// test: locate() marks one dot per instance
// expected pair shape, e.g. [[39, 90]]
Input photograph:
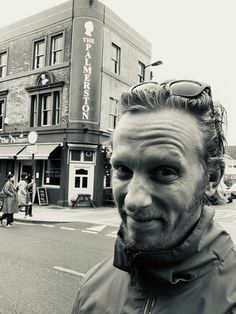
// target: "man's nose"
[[138, 194]]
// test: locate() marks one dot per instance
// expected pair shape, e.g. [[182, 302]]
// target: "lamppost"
[[32, 148], [154, 64]]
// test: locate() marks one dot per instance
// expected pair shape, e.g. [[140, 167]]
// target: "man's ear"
[[214, 180]]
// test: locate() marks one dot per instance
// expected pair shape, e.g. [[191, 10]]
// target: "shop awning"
[[10, 151], [42, 151]]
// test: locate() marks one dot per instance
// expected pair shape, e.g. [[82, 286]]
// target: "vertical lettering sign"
[[85, 88]]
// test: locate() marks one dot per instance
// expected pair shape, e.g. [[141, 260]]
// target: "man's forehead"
[[154, 128]]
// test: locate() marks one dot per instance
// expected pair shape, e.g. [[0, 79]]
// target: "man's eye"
[[122, 172], [165, 174]]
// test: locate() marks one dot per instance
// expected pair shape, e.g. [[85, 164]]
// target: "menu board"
[[42, 196]]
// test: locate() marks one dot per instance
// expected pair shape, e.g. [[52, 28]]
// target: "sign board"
[[32, 149], [86, 72], [42, 196]]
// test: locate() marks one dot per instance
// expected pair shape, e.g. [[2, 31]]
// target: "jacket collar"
[[205, 247]]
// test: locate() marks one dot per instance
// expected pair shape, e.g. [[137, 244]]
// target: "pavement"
[[57, 214], [100, 215]]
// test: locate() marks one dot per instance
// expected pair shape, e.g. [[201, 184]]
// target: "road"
[[42, 265], [37, 264]]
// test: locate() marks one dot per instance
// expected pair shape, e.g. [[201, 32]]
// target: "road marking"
[[96, 228], [69, 271], [88, 231], [66, 228], [49, 226], [113, 234]]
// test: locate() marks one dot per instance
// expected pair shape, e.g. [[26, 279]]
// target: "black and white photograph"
[[117, 157]]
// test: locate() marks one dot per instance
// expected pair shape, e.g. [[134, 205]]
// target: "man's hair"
[[9, 176], [211, 117], [23, 175]]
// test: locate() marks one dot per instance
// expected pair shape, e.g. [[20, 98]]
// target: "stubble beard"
[[168, 238]]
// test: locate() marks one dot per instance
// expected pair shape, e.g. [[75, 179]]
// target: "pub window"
[[116, 52], [52, 168], [3, 64], [81, 178], [113, 115], [56, 50], [45, 109], [141, 72], [82, 155], [52, 172], [76, 155], [39, 53], [2, 110]]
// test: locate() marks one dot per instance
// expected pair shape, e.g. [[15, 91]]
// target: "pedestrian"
[[23, 193], [170, 255], [10, 205]]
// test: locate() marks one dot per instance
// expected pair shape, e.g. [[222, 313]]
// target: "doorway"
[[81, 180]]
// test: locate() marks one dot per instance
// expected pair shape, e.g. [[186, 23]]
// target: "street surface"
[[43, 264]]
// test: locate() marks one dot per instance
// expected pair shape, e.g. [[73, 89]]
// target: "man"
[[170, 256]]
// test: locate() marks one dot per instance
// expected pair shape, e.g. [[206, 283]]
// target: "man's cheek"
[[118, 188]]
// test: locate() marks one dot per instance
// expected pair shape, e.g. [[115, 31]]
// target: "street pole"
[[33, 170], [154, 64]]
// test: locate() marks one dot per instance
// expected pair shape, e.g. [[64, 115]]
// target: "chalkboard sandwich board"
[[42, 196]]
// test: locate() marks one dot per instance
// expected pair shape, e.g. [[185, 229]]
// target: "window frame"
[[2, 116], [141, 72], [3, 66], [50, 53], [113, 113], [44, 177], [116, 62], [37, 116], [35, 42], [82, 155]]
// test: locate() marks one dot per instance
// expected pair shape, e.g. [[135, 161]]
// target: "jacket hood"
[[205, 247]]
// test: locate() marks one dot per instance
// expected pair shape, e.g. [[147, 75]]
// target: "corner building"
[[61, 74]]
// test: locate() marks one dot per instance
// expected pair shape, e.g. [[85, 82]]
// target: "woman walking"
[[23, 193], [10, 205]]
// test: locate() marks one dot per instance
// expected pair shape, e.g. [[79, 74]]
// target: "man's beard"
[[167, 238]]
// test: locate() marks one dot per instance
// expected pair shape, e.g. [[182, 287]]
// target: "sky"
[[195, 39]]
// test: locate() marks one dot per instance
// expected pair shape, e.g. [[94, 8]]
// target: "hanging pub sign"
[[86, 71]]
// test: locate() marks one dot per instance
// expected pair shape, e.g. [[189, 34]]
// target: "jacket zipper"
[[149, 305]]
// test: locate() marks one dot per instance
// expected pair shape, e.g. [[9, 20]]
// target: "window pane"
[[4, 58], [85, 182], [75, 155], [77, 182], [52, 172], [39, 54], [81, 171]]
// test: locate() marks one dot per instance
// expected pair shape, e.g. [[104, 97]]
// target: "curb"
[[41, 221]]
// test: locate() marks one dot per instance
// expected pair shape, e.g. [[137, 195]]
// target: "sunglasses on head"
[[183, 88]]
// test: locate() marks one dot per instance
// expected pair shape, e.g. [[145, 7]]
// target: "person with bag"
[[23, 193], [10, 204]]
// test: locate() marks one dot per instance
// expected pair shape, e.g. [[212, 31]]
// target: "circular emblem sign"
[[32, 137]]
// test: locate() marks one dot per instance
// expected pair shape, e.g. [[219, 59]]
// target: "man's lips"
[[142, 219]]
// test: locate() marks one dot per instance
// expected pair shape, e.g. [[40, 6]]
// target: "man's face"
[[158, 181]]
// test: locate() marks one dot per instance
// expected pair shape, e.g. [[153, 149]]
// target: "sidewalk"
[[57, 214]]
